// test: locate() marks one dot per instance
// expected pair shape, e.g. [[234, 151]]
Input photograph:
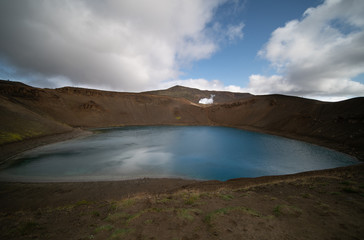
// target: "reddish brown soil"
[[325, 204], [29, 112], [194, 95], [316, 205]]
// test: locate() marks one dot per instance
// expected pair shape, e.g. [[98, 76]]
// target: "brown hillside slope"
[[19, 121], [92, 108], [194, 95], [337, 125], [57, 110], [24, 108]]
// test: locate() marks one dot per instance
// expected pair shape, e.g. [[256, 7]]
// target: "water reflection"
[[191, 152]]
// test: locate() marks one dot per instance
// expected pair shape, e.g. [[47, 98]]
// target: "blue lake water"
[[188, 152]]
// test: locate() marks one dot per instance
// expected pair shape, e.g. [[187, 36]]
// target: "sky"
[[306, 48]]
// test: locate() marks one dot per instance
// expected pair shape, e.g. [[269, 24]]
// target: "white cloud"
[[122, 45], [202, 84], [259, 84], [199, 83], [318, 55], [329, 98], [235, 31]]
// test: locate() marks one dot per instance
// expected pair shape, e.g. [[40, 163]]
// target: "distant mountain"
[[194, 95], [27, 112]]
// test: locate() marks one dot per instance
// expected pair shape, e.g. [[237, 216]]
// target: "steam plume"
[[207, 100]]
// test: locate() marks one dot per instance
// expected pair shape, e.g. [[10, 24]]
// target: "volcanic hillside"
[[28, 112], [194, 95]]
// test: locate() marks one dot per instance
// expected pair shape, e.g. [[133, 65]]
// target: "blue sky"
[[309, 48], [235, 62]]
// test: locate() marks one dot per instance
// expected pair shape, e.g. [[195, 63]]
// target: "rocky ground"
[[324, 204]]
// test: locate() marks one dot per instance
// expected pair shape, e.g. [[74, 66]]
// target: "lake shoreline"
[[339, 147], [33, 195], [282, 206], [282, 156], [9, 151]]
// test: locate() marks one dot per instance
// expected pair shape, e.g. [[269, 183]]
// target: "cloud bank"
[[202, 84], [142, 45], [123, 45], [317, 55]]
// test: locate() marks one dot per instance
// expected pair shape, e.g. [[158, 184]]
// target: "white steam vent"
[[207, 100]]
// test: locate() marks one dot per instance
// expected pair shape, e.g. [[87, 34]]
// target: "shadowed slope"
[[57, 110], [20, 120], [338, 125], [30, 112]]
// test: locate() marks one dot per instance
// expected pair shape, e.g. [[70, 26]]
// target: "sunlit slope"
[[194, 95], [79, 107], [27, 112], [93, 108]]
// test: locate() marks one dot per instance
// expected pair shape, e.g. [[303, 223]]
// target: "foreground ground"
[[325, 204]]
